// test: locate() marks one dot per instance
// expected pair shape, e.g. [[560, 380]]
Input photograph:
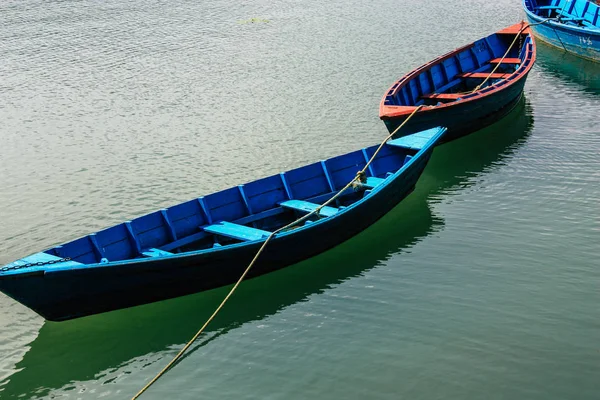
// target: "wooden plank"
[[305, 206], [167, 221], [444, 96], [506, 61], [184, 241], [97, 249], [489, 46], [416, 141], [430, 75], [366, 157], [133, 237], [258, 216], [201, 235], [286, 186], [372, 182], [246, 202], [43, 258], [483, 75], [449, 85], [156, 253], [474, 56], [326, 172], [235, 231], [204, 209], [326, 196]]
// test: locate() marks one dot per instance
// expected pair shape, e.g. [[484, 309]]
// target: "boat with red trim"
[[466, 89]]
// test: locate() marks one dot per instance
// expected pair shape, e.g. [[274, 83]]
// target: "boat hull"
[[64, 294], [466, 89], [583, 43], [462, 119]]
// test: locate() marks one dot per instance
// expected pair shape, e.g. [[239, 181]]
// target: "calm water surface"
[[484, 283]]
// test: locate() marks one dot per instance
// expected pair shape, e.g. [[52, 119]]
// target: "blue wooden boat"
[[575, 25], [458, 90], [207, 242]]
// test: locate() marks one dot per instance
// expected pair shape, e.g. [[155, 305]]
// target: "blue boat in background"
[[575, 25], [466, 89], [207, 242]]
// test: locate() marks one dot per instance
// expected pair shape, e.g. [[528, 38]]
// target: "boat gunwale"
[[521, 72], [429, 145]]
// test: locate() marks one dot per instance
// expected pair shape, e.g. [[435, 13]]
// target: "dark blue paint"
[[181, 250]]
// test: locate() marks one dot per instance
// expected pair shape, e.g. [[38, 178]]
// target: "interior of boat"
[[454, 76], [246, 212], [580, 13]]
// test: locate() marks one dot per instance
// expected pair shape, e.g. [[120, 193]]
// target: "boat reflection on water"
[[570, 68], [90, 348]]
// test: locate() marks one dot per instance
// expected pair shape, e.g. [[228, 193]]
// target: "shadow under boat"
[[569, 68], [80, 349]]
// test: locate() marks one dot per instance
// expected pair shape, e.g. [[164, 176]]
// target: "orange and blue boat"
[[465, 89]]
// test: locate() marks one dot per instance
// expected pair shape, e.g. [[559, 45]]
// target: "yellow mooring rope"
[[360, 177], [502, 59]]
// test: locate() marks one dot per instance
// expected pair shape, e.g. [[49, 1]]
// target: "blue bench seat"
[[155, 253], [372, 182], [236, 231], [306, 207], [416, 141], [43, 258]]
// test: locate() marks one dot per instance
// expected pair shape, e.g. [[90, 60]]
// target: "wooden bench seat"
[[483, 75], [416, 141], [235, 231], [372, 182], [506, 61], [443, 96], [307, 207], [155, 253]]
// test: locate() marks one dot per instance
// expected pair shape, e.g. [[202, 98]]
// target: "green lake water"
[[483, 283]]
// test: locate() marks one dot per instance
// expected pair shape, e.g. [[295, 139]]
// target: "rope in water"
[[360, 177]]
